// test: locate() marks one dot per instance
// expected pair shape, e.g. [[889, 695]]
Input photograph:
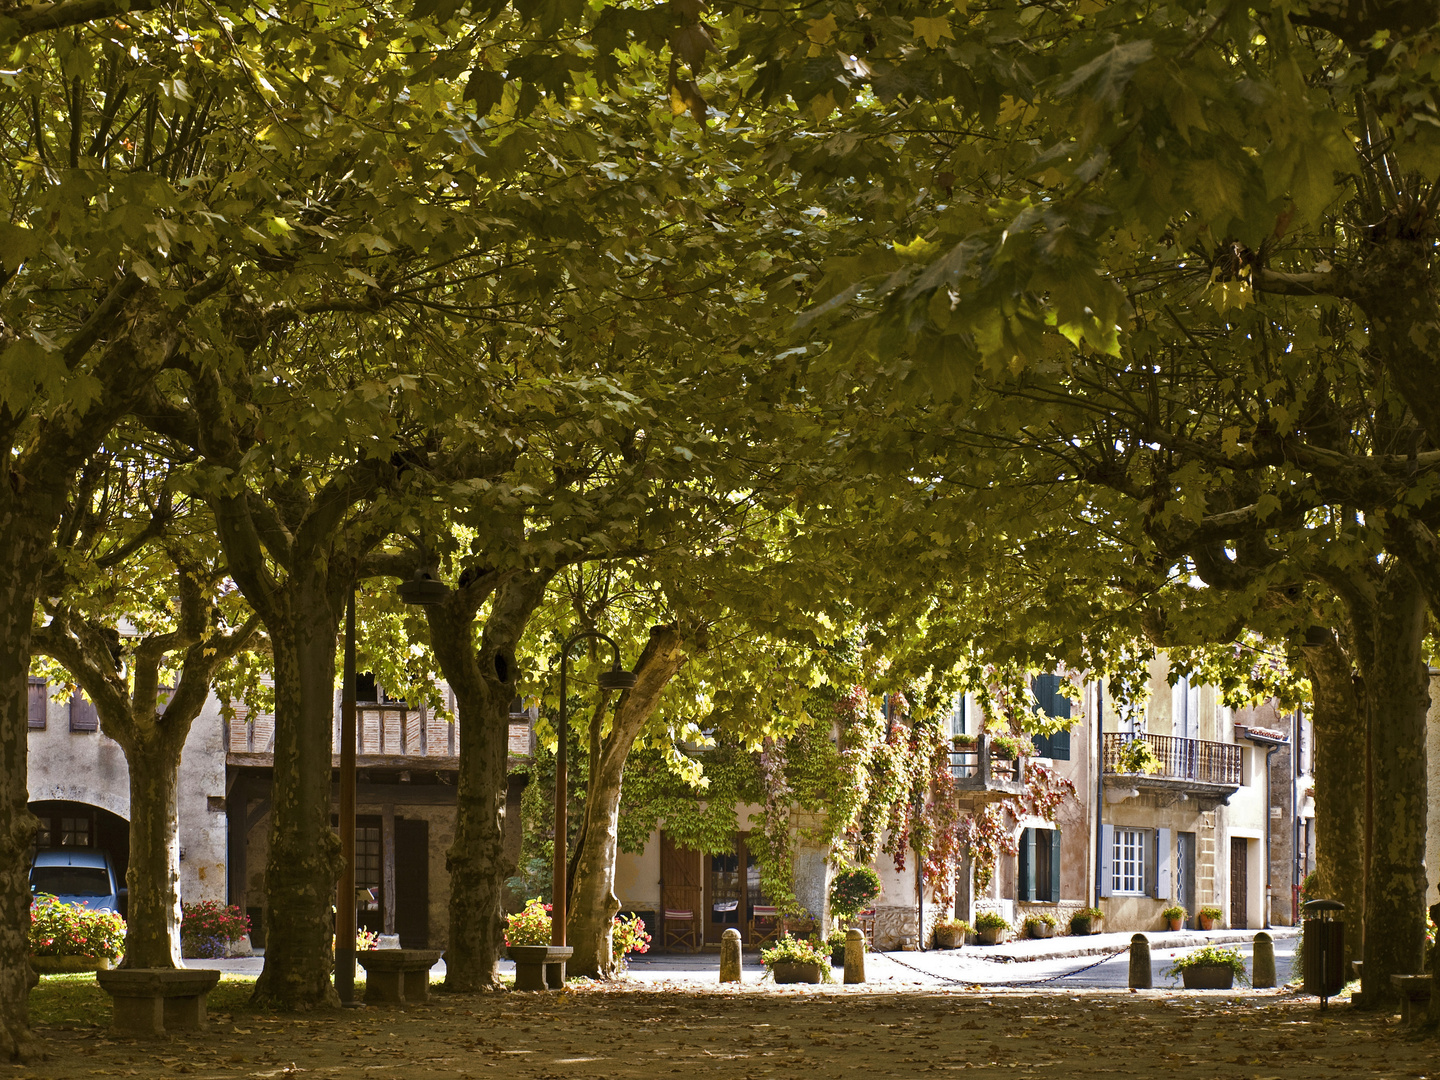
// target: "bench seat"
[[157, 1001]]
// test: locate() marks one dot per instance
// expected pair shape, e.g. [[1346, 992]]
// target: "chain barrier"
[[1005, 985]]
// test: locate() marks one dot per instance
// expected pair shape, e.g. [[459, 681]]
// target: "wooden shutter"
[[680, 881], [1060, 745], [39, 703], [1054, 866], [1107, 859], [1163, 887], [1025, 879], [82, 714]]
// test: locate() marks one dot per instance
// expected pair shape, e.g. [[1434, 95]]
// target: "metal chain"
[[1027, 982]]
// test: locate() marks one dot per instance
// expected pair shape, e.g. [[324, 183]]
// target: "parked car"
[[78, 876]]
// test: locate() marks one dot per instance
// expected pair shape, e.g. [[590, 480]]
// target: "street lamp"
[[614, 679]]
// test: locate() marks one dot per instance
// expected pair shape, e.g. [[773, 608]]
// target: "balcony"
[[979, 771], [1209, 772], [387, 734]]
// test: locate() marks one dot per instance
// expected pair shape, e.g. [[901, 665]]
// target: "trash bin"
[[1324, 948]]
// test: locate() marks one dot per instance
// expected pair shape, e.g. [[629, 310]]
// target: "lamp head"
[[615, 679], [423, 589]]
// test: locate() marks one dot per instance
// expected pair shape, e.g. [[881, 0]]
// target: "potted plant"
[[991, 928], [951, 933], [68, 937], [852, 890], [1174, 916], [796, 960], [1010, 747], [1086, 921], [1210, 968], [211, 930], [1042, 925], [835, 942], [1210, 917], [527, 932]]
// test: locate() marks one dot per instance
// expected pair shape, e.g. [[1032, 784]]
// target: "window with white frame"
[[1128, 866]]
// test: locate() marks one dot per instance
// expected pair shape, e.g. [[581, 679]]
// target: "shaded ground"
[[753, 1031]]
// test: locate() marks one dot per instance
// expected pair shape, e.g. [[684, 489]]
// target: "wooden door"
[[412, 882], [680, 884], [1239, 883]]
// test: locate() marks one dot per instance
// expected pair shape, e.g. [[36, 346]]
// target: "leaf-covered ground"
[[624, 1031]]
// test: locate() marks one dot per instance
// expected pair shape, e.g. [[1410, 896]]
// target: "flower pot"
[[948, 937], [1082, 927], [792, 972], [60, 965], [1208, 977], [1040, 930], [991, 935], [1173, 924], [1206, 923]]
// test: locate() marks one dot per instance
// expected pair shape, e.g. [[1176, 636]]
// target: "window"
[[1051, 702], [1185, 709], [1039, 867], [958, 716], [1128, 862], [74, 832]]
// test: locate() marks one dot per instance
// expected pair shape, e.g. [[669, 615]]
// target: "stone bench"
[[1414, 993], [156, 1001], [397, 976]]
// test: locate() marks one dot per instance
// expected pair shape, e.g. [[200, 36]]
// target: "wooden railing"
[[1181, 759], [382, 729]]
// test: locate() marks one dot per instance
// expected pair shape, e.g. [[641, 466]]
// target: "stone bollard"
[[1262, 974], [854, 956], [730, 956], [1140, 963]]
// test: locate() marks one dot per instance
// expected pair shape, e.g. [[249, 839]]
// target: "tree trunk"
[[17, 824], [483, 682], [152, 921], [593, 905], [305, 859], [1340, 739], [1398, 695]]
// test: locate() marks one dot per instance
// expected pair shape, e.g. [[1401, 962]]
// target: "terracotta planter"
[[1174, 924], [1209, 977], [1206, 923], [787, 972], [991, 936], [61, 965]]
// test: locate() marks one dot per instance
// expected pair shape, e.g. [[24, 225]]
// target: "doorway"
[[1185, 875], [1239, 883], [732, 890]]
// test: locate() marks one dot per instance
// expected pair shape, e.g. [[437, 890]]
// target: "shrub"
[[58, 929], [852, 890], [1174, 911], [1211, 956], [530, 926], [629, 936], [1042, 919], [209, 927], [958, 925], [1086, 915], [991, 920], [1010, 747]]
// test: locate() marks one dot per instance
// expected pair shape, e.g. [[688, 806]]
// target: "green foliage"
[[1174, 911], [1211, 956], [58, 929], [1138, 756], [992, 920], [852, 890], [530, 926]]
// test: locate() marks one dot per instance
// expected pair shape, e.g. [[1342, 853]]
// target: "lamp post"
[[614, 679]]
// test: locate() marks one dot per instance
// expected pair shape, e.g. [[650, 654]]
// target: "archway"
[[66, 824]]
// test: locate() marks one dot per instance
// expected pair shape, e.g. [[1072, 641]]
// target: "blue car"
[[77, 876]]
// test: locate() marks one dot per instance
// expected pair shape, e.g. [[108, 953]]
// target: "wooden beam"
[[387, 857]]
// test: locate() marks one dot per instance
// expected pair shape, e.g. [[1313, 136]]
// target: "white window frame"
[[1129, 862]]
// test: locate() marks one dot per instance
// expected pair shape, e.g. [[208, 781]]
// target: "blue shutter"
[[1060, 745], [1054, 866], [1162, 864], [1025, 879]]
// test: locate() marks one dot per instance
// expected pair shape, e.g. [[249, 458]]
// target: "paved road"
[[1019, 964]]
